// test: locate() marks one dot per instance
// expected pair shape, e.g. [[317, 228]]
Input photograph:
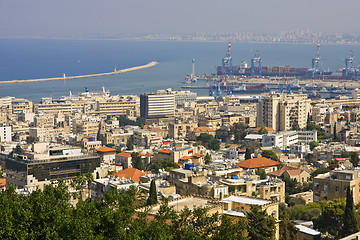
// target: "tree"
[[270, 154], [152, 199], [129, 146], [136, 161], [18, 149], [208, 141], [260, 225], [207, 158], [158, 164], [30, 139], [287, 229], [262, 130], [238, 130], [248, 152], [350, 223], [331, 218], [313, 145]]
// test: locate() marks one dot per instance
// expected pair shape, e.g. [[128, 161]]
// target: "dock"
[[150, 64]]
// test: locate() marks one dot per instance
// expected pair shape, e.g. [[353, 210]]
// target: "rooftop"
[[246, 200], [258, 163]]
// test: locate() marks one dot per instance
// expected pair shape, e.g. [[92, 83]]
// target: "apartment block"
[[283, 111]]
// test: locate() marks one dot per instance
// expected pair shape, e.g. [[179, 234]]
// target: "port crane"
[[314, 70], [256, 59], [350, 70], [227, 62]]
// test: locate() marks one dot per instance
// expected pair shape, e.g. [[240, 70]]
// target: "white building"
[[281, 140], [5, 134], [157, 105]]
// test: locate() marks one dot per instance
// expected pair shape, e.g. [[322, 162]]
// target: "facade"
[[333, 185], [5, 134], [157, 105], [283, 111], [34, 170], [237, 206]]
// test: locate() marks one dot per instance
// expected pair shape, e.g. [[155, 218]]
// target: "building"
[[283, 111], [257, 164], [238, 206], [5, 134], [106, 154], [301, 176], [45, 165], [157, 105], [333, 185]]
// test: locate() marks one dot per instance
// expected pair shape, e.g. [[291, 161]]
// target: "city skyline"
[[108, 18]]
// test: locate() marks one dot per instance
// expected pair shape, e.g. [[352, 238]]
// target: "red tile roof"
[[105, 149], [241, 151], [164, 151], [131, 173], [267, 129], [2, 182], [258, 163], [124, 154], [197, 155], [186, 157], [202, 129]]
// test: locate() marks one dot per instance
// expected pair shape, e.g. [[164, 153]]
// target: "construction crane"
[[227, 62], [256, 59]]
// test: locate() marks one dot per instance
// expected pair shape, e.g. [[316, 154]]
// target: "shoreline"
[[150, 64]]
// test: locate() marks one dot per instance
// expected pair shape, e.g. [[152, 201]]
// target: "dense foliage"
[[165, 164], [48, 215], [208, 141], [124, 120], [238, 131], [137, 161], [270, 154]]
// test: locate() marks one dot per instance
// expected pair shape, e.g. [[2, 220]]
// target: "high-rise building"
[[157, 105], [283, 111]]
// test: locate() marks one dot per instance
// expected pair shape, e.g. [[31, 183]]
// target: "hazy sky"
[[176, 16]]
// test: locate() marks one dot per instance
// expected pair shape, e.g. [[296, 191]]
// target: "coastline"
[[150, 64]]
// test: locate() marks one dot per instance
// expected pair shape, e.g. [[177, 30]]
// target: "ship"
[[260, 88]]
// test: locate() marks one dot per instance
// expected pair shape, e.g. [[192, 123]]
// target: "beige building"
[[118, 105], [333, 185], [238, 206], [283, 111]]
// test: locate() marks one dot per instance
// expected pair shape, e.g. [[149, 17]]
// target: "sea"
[[46, 58]]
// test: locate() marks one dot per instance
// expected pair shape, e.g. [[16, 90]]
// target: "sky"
[[48, 17]]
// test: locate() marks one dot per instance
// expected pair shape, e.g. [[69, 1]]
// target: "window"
[[336, 188]]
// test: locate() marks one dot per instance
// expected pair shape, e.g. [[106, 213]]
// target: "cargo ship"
[[260, 88]]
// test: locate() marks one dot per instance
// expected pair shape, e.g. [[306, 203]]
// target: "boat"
[[260, 88]]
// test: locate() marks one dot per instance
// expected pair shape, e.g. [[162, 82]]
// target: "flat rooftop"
[[246, 200], [190, 202]]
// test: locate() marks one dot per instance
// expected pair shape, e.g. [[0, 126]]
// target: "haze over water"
[[28, 59]]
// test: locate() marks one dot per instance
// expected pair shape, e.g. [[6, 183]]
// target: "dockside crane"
[[256, 59], [350, 70], [314, 70], [227, 62]]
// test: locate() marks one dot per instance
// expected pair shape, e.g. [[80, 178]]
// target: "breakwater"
[[150, 64]]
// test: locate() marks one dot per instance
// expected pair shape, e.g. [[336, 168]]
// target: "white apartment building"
[[5, 134]]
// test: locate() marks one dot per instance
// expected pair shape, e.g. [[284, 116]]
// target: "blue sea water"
[[28, 59]]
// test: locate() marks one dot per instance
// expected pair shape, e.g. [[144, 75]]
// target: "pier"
[[150, 64]]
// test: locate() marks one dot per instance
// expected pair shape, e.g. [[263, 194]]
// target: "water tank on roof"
[[189, 166]]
